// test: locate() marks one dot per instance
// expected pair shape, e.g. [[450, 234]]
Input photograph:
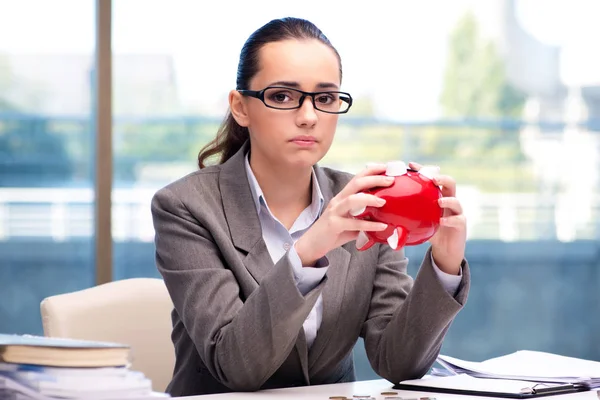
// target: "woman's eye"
[[280, 97], [326, 99]]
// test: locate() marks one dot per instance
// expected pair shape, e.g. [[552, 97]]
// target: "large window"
[[46, 155], [503, 97]]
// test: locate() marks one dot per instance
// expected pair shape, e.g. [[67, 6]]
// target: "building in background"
[[560, 73]]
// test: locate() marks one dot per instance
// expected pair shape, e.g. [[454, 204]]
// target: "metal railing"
[[63, 214], [33, 205]]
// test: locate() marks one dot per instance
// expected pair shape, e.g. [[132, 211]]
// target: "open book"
[[38, 350], [533, 366]]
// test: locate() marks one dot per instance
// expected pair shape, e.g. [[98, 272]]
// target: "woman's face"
[[298, 137]]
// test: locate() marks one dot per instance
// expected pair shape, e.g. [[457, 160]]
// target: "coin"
[[389, 393]]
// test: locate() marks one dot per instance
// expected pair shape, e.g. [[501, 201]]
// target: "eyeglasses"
[[284, 98]]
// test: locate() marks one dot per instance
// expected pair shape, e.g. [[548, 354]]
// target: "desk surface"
[[363, 388]]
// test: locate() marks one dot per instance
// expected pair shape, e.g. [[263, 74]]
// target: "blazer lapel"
[[241, 215], [334, 290], [246, 234]]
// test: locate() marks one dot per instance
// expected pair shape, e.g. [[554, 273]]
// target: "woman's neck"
[[287, 191]]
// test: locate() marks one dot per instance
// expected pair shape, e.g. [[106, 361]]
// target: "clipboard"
[[488, 387]]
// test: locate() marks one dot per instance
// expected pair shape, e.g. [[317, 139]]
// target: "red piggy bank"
[[411, 210]]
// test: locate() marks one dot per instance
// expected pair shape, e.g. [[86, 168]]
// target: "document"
[[468, 385], [534, 366]]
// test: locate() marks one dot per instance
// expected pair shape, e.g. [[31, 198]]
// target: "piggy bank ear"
[[398, 238], [363, 242], [430, 171], [396, 168]]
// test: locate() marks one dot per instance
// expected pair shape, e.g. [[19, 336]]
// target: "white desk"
[[372, 388]]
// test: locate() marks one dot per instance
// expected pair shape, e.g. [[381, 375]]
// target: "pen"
[[567, 388]]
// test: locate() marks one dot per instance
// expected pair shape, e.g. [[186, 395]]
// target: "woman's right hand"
[[336, 226]]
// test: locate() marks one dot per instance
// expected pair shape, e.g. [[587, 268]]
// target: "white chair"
[[131, 311]]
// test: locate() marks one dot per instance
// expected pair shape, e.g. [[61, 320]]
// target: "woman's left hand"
[[448, 243]]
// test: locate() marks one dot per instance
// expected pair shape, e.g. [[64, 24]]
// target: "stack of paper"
[[531, 366], [76, 383], [14, 390]]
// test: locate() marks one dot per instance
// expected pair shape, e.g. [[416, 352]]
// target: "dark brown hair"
[[231, 136]]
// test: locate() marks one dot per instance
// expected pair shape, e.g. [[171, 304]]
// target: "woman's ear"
[[238, 108]]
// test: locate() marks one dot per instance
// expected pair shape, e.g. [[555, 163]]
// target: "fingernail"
[[380, 201], [389, 179], [374, 165], [441, 201]]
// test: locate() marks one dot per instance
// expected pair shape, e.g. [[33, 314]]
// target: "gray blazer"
[[237, 318]]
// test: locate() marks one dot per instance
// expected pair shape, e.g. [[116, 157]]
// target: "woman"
[[258, 251]]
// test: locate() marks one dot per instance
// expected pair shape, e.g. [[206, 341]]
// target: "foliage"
[[31, 154], [475, 81]]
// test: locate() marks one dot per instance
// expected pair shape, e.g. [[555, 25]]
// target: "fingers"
[[364, 182], [344, 223], [447, 183], [454, 221], [357, 203], [372, 169], [418, 167], [377, 165], [415, 166], [350, 224], [453, 213], [451, 204]]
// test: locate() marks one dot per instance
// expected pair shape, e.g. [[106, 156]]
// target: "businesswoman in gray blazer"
[[258, 249]]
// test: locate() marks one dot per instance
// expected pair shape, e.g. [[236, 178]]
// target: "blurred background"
[[502, 94]]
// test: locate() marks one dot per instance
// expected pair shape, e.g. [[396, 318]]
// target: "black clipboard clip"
[[545, 389]]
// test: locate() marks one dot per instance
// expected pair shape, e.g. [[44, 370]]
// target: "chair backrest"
[[130, 311]]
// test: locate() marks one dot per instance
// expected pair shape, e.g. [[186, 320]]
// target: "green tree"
[[476, 86], [475, 81], [169, 142], [5, 79], [362, 106], [31, 154]]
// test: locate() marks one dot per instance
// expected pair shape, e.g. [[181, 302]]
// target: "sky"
[[392, 50]]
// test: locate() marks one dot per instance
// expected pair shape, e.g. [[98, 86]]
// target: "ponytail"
[[230, 138]]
